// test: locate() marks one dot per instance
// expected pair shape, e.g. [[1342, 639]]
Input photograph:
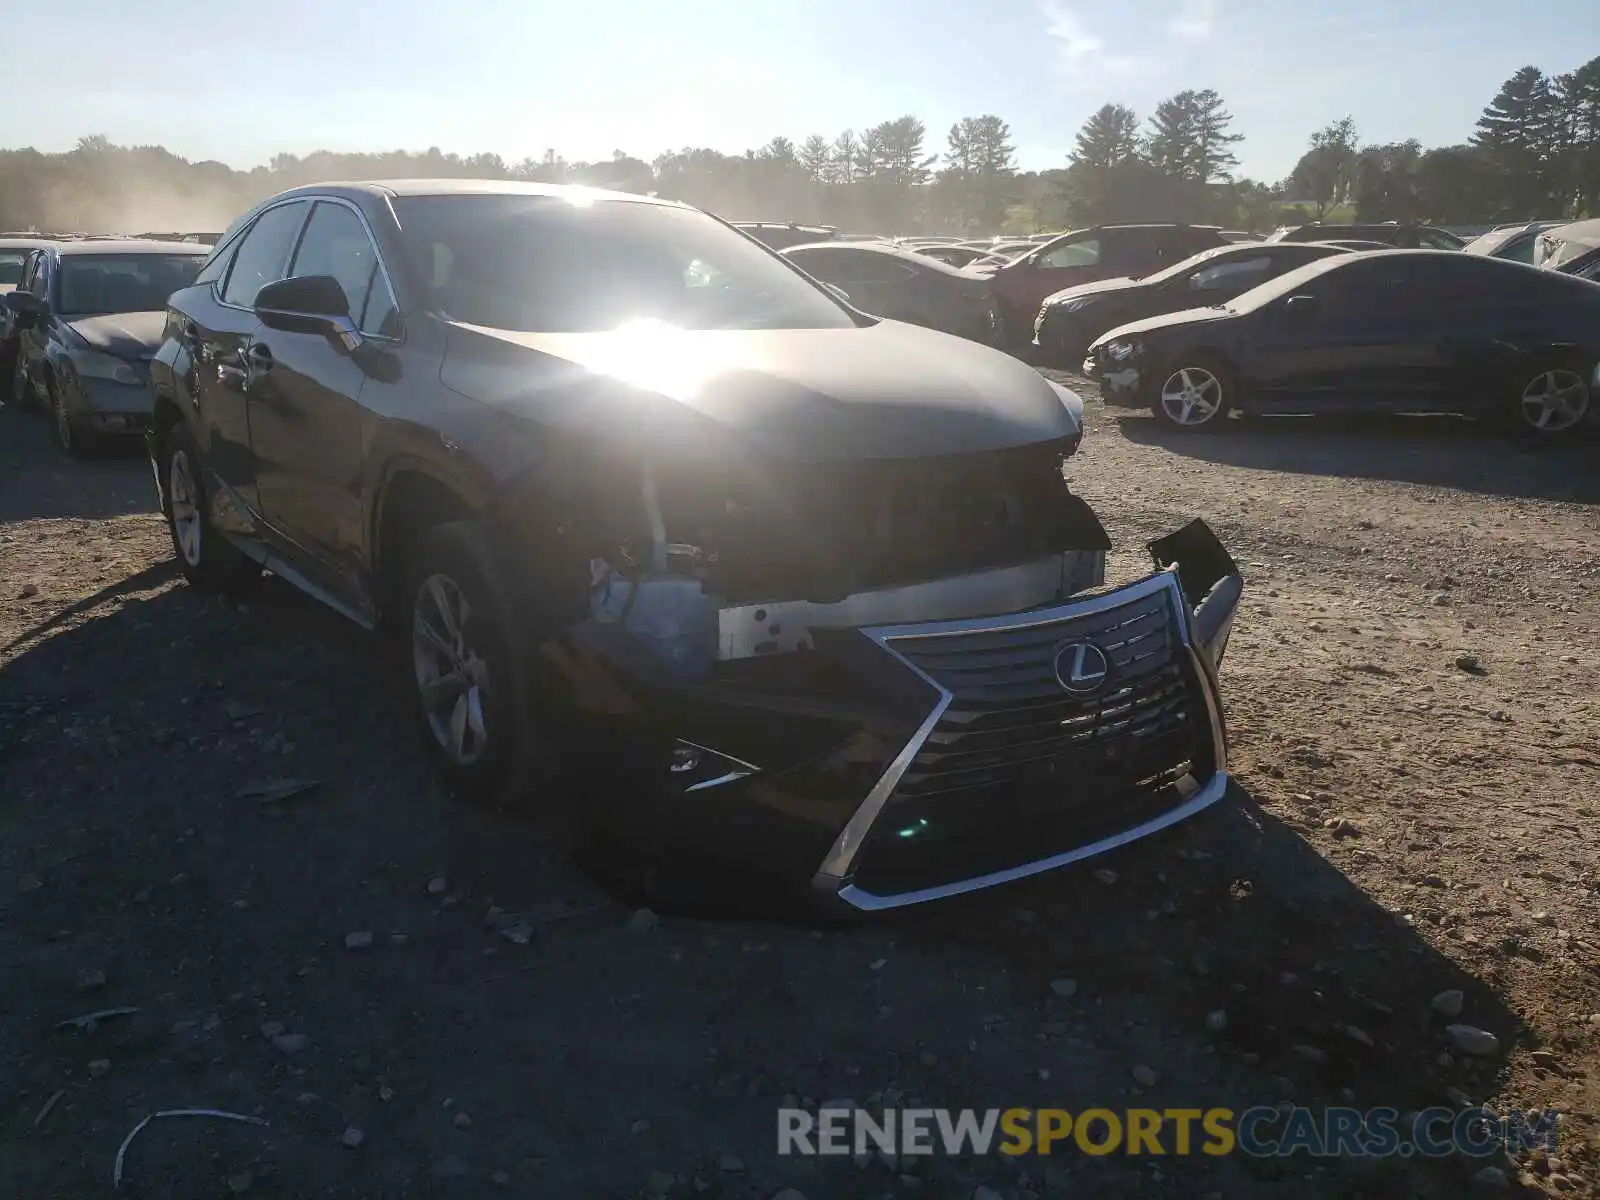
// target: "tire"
[[1552, 402], [1194, 393], [10, 377], [21, 388], [70, 438], [469, 662], [208, 560]]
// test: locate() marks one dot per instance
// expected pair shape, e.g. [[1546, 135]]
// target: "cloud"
[[1076, 42], [1082, 57], [1195, 21]]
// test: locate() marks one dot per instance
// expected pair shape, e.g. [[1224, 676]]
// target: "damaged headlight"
[[1122, 351]]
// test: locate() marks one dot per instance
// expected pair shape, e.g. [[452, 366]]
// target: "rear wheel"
[[208, 560], [1196, 393], [1554, 401]]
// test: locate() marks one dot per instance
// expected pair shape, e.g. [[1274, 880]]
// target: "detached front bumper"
[[877, 763]]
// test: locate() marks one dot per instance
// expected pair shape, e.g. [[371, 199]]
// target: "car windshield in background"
[[544, 264], [114, 283], [11, 266]]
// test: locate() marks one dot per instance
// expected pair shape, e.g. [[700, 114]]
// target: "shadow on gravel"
[[1435, 451], [1326, 994], [132, 847], [37, 480]]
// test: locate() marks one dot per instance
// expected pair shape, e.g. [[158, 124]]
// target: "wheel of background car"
[[208, 560], [1195, 393], [1554, 401], [470, 668], [71, 440]]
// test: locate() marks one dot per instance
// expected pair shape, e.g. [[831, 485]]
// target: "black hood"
[[126, 335], [1098, 288], [1188, 316], [886, 391]]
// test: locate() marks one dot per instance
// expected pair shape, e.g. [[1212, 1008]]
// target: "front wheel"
[[1554, 401], [1195, 393], [208, 560], [470, 665], [71, 439]]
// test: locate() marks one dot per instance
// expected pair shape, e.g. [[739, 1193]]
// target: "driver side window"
[[1082, 253]]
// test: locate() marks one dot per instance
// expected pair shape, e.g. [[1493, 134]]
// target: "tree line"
[[1535, 153]]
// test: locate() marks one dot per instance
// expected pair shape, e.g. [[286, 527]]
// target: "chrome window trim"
[[314, 199], [834, 876]]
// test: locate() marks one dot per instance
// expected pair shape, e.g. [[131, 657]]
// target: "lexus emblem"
[[1081, 667]]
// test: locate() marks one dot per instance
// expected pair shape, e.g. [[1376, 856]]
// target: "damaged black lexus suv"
[[799, 595]]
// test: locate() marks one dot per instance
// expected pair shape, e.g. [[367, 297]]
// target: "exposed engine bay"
[[726, 563]]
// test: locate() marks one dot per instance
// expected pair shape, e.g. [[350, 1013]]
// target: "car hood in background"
[[1120, 284], [885, 391], [126, 335], [1187, 316]]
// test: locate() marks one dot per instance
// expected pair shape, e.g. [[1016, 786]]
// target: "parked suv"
[[802, 595], [89, 316], [1087, 255], [1390, 233]]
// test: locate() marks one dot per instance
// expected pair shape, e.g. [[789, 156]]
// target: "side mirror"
[[306, 304], [1301, 307], [27, 308]]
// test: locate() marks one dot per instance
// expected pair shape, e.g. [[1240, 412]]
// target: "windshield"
[[11, 266], [92, 284], [543, 264]]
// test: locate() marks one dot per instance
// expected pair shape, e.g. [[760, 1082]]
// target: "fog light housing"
[[695, 768]]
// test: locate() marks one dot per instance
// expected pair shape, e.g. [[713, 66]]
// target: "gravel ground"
[[1411, 691]]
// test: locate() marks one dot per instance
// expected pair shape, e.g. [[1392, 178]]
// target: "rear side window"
[[216, 266], [1085, 252], [263, 254]]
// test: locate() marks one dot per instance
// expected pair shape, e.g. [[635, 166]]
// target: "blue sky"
[[240, 81]]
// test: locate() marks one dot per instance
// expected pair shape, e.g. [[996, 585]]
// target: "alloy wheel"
[[1555, 401], [183, 497], [1191, 396], [62, 421], [452, 677]]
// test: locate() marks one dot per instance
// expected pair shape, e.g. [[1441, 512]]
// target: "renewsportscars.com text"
[[1260, 1132]]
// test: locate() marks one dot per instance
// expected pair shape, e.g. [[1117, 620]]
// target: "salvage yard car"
[[805, 590], [1085, 255], [1408, 331], [89, 316], [1071, 319], [904, 285], [1390, 233], [14, 254]]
